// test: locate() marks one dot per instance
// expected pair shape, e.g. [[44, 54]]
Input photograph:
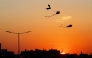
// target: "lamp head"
[[7, 31], [29, 31]]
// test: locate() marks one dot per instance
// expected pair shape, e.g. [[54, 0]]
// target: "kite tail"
[[53, 14], [62, 26], [47, 16]]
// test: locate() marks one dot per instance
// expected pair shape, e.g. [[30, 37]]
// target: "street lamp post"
[[18, 39]]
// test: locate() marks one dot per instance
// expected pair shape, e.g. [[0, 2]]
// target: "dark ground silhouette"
[[37, 53]]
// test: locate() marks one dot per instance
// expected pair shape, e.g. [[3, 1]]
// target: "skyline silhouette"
[[38, 53], [61, 52]]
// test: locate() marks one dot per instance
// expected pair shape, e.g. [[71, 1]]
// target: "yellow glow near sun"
[[62, 53]]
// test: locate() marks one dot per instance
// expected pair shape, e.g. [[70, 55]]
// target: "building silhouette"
[[37, 53], [4, 53], [0, 46]]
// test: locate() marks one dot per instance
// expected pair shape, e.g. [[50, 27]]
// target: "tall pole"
[[18, 39], [18, 44]]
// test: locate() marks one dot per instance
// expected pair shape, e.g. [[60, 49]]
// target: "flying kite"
[[57, 12], [49, 7], [68, 26]]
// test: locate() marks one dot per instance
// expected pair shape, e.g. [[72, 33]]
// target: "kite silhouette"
[[68, 26], [57, 12], [49, 7]]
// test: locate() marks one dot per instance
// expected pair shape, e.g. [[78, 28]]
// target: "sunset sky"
[[29, 15]]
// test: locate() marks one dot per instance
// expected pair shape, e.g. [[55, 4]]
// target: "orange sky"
[[22, 16]]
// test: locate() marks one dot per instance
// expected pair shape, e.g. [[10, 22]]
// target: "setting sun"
[[62, 53]]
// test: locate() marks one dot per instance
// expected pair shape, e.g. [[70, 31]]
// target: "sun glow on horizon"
[[62, 53]]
